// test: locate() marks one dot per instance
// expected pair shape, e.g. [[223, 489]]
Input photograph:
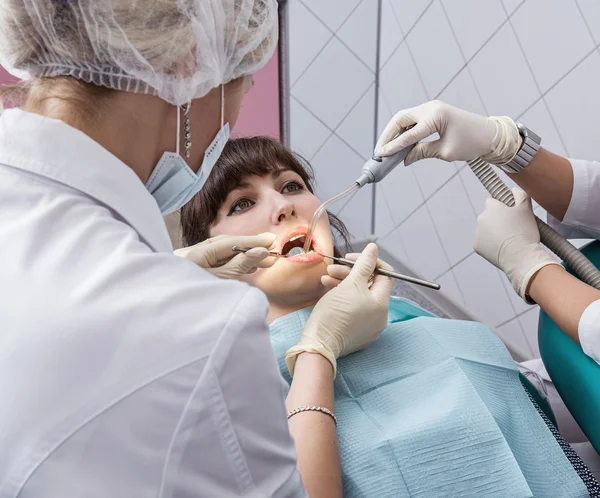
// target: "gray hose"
[[560, 246]]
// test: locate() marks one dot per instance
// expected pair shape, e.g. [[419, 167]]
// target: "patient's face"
[[281, 204]]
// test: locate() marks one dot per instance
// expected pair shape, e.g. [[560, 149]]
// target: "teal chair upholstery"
[[575, 375]]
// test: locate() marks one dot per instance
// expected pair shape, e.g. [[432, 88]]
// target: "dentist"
[[126, 371], [508, 237]]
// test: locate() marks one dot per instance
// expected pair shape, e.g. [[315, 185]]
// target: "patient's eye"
[[291, 187], [240, 205]]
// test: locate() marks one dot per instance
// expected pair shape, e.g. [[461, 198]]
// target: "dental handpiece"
[[377, 168]]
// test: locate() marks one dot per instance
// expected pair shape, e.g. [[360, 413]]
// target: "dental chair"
[[575, 375]]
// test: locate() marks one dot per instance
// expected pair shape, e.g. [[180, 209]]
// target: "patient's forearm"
[[562, 296], [314, 432], [548, 180]]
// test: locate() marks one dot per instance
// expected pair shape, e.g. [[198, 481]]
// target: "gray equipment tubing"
[[560, 246]]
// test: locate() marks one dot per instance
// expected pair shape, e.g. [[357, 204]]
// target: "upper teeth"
[[295, 237]]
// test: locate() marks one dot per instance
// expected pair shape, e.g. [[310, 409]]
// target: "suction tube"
[[560, 246]]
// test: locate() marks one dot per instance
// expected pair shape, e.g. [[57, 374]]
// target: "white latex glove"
[[215, 254], [508, 237], [349, 317], [337, 273], [463, 135]]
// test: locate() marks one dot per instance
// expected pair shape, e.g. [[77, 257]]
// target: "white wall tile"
[[409, 11], [399, 83], [453, 217], [432, 174], [449, 288], [551, 55], [333, 14], [393, 244], [503, 95], [303, 48], [512, 335], [357, 128], [474, 22], [575, 104], [333, 83], [391, 34], [512, 5], [359, 32], [423, 248], [356, 214], [438, 58], [335, 167], [483, 290], [384, 113], [384, 223], [538, 119], [529, 322], [307, 133], [462, 93], [591, 13], [402, 193]]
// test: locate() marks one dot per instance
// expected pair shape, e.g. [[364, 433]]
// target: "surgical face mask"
[[173, 183]]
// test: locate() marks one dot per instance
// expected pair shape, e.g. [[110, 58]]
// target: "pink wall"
[[260, 111]]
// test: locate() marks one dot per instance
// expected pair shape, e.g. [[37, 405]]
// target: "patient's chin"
[[290, 283]]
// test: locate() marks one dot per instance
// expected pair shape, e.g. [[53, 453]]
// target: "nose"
[[284, 209]]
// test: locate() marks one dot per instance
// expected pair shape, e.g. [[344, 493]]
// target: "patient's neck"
[[279, 309]]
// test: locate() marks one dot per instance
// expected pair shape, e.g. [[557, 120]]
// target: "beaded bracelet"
[[313, 408]]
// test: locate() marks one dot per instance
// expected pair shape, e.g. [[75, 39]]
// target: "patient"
[[434, 408]]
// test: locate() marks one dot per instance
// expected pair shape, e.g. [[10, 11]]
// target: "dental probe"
[[388, 273], [246, 249]]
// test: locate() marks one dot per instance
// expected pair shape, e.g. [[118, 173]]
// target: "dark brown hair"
[[243, 157]]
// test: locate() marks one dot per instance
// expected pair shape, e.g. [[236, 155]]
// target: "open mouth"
[[295, 246]]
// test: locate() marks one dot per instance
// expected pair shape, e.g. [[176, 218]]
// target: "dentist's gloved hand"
[[463, 135], [215, 254], [337, 273], [508, 237], [349, 317]]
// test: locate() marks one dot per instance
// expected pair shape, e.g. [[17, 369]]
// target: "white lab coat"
[[125, 371], [582, 220]]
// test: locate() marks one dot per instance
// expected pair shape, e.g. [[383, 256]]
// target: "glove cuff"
[[508, 141], [533, 258], [292, 355]]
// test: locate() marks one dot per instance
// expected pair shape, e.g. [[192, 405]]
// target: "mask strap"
[[222, 105], [178, 128]]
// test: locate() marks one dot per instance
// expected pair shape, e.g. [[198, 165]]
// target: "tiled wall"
[[332, 108], [534, 60]]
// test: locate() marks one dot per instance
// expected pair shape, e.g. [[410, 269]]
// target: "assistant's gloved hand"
[[508, 237], [215, 254], [349, 317], [463, 135]]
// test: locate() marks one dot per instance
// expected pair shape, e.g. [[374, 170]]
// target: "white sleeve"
[[254, 393], [589, 331], [582, 219]]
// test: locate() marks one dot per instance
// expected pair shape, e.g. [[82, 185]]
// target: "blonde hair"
[[176, 49]]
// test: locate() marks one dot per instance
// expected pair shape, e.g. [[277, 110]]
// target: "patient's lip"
[[310, 257]]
